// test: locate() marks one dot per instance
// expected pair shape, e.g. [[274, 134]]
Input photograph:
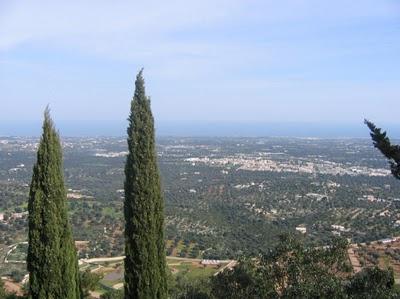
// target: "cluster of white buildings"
[[371, 198], [111, 154], [291, 164]]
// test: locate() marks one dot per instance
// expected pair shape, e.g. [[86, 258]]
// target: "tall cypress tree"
[[145, 275], [52, 260]]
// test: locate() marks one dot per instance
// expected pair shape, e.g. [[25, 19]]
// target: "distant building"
[[340, 228], [388, 240], [370, 197], [210, 262], [301, 229], [19, 215], [384, 213]]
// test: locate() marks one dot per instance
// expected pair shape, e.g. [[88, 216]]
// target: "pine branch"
[[382, 142]]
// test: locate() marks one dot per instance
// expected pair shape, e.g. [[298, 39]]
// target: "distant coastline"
[[204, 129]]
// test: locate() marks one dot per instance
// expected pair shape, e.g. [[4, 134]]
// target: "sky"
[[306, 61]]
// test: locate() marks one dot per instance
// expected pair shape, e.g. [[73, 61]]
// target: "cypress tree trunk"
[[145, 275], [52, 260]]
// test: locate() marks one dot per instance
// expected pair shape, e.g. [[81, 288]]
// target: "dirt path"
[[12, 287], [354, 260], [94, 294], [121, 258], [230, 265]]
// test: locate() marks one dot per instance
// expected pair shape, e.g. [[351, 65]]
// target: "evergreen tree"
[[391, 152], [52, 260], [145, 265]]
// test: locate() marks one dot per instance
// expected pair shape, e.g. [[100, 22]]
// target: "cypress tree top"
[[145, 275], [51, 261], [390, 151]]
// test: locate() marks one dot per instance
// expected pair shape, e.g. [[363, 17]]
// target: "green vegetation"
[[192, 273], [391, 152], [290, 270], [51, 261], [18, 254], [372, 283], [184, 288], [89, 282], [293, 270], [114, 294], [227, 216], [2, 290], [145, 265]]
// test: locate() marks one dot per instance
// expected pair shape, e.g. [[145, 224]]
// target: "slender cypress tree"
[[52, 260], [145, 275], [390, 151]]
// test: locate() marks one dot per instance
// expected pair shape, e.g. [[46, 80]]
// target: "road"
[[121, 258], [12, 247]]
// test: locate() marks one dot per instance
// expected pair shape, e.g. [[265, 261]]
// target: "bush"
[[89, 281], [114, 294]]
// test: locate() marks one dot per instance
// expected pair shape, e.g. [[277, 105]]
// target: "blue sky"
[[211, 60]]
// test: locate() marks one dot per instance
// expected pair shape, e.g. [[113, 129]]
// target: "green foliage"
[[382, 142], [221, 226], [145, 264], [292, 270], [297, 271], [51, 261], [372, 283], [243, 281], [171, 282], [14, 296], [88, 282], [185, 288], [2, 290], [17, 275], [114, 294]]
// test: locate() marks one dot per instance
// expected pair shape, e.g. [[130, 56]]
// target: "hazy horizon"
[[203, 129]]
